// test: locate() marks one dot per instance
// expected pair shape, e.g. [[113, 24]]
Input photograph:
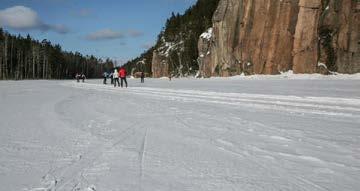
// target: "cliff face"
[[160, 67], [271, 36], [341, 20], [305, 50], [160, 64], [175, 52], [166, 60]]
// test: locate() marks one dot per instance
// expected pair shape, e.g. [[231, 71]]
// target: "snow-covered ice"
[[288, 132]]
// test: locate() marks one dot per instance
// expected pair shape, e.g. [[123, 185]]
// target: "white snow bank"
[[290, 75]]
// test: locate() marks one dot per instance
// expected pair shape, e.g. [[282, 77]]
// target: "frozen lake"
[[256, 133]]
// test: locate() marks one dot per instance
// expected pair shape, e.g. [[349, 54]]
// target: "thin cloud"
[[62, 29], [135, 33], [105, 34], [24, 18]]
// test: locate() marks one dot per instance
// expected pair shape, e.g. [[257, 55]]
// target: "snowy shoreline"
[[291, 76], [283, 76]]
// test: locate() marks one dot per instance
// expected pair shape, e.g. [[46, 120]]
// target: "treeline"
[[26, 58], [192, 23], [183, 30]]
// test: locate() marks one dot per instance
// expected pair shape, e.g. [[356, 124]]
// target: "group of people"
[[118, 77], [114, 76], [80, 77]]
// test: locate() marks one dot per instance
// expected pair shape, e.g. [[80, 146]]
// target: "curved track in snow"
[[180, 135], [333, 106]]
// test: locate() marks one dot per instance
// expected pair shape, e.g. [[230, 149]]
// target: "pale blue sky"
[[120, 29]]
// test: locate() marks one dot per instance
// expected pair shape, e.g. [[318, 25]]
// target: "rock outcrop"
[[163, 64], [340, 34], [305, 48], [160, 66], [272, 36], [175, 52], [206, 67]]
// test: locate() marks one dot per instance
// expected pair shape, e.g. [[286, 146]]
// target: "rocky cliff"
[[272, 36], [175, 52]]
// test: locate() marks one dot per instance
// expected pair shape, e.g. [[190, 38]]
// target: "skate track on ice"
[[86, 136], [316, 105]]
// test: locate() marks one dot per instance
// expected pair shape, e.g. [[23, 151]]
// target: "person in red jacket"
[[122, 74]]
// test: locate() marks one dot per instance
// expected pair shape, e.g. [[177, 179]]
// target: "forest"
[[27, 58]]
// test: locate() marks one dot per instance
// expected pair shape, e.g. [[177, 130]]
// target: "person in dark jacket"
[[112, 77], [122, 74], [77, 76], [105, 75], [83, 77], [142, 76]]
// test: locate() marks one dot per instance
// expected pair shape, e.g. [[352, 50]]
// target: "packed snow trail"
[[317, 105], [188, 134]]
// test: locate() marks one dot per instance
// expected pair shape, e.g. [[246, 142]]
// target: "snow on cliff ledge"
[[208, 34]]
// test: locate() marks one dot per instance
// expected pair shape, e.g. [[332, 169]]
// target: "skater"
[[142, 77], [112, 77], [83, 77], [77, 76], [105, 75], [122, 74], [116, 78]]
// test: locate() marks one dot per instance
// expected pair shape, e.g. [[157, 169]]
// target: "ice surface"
[[299, 132]]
